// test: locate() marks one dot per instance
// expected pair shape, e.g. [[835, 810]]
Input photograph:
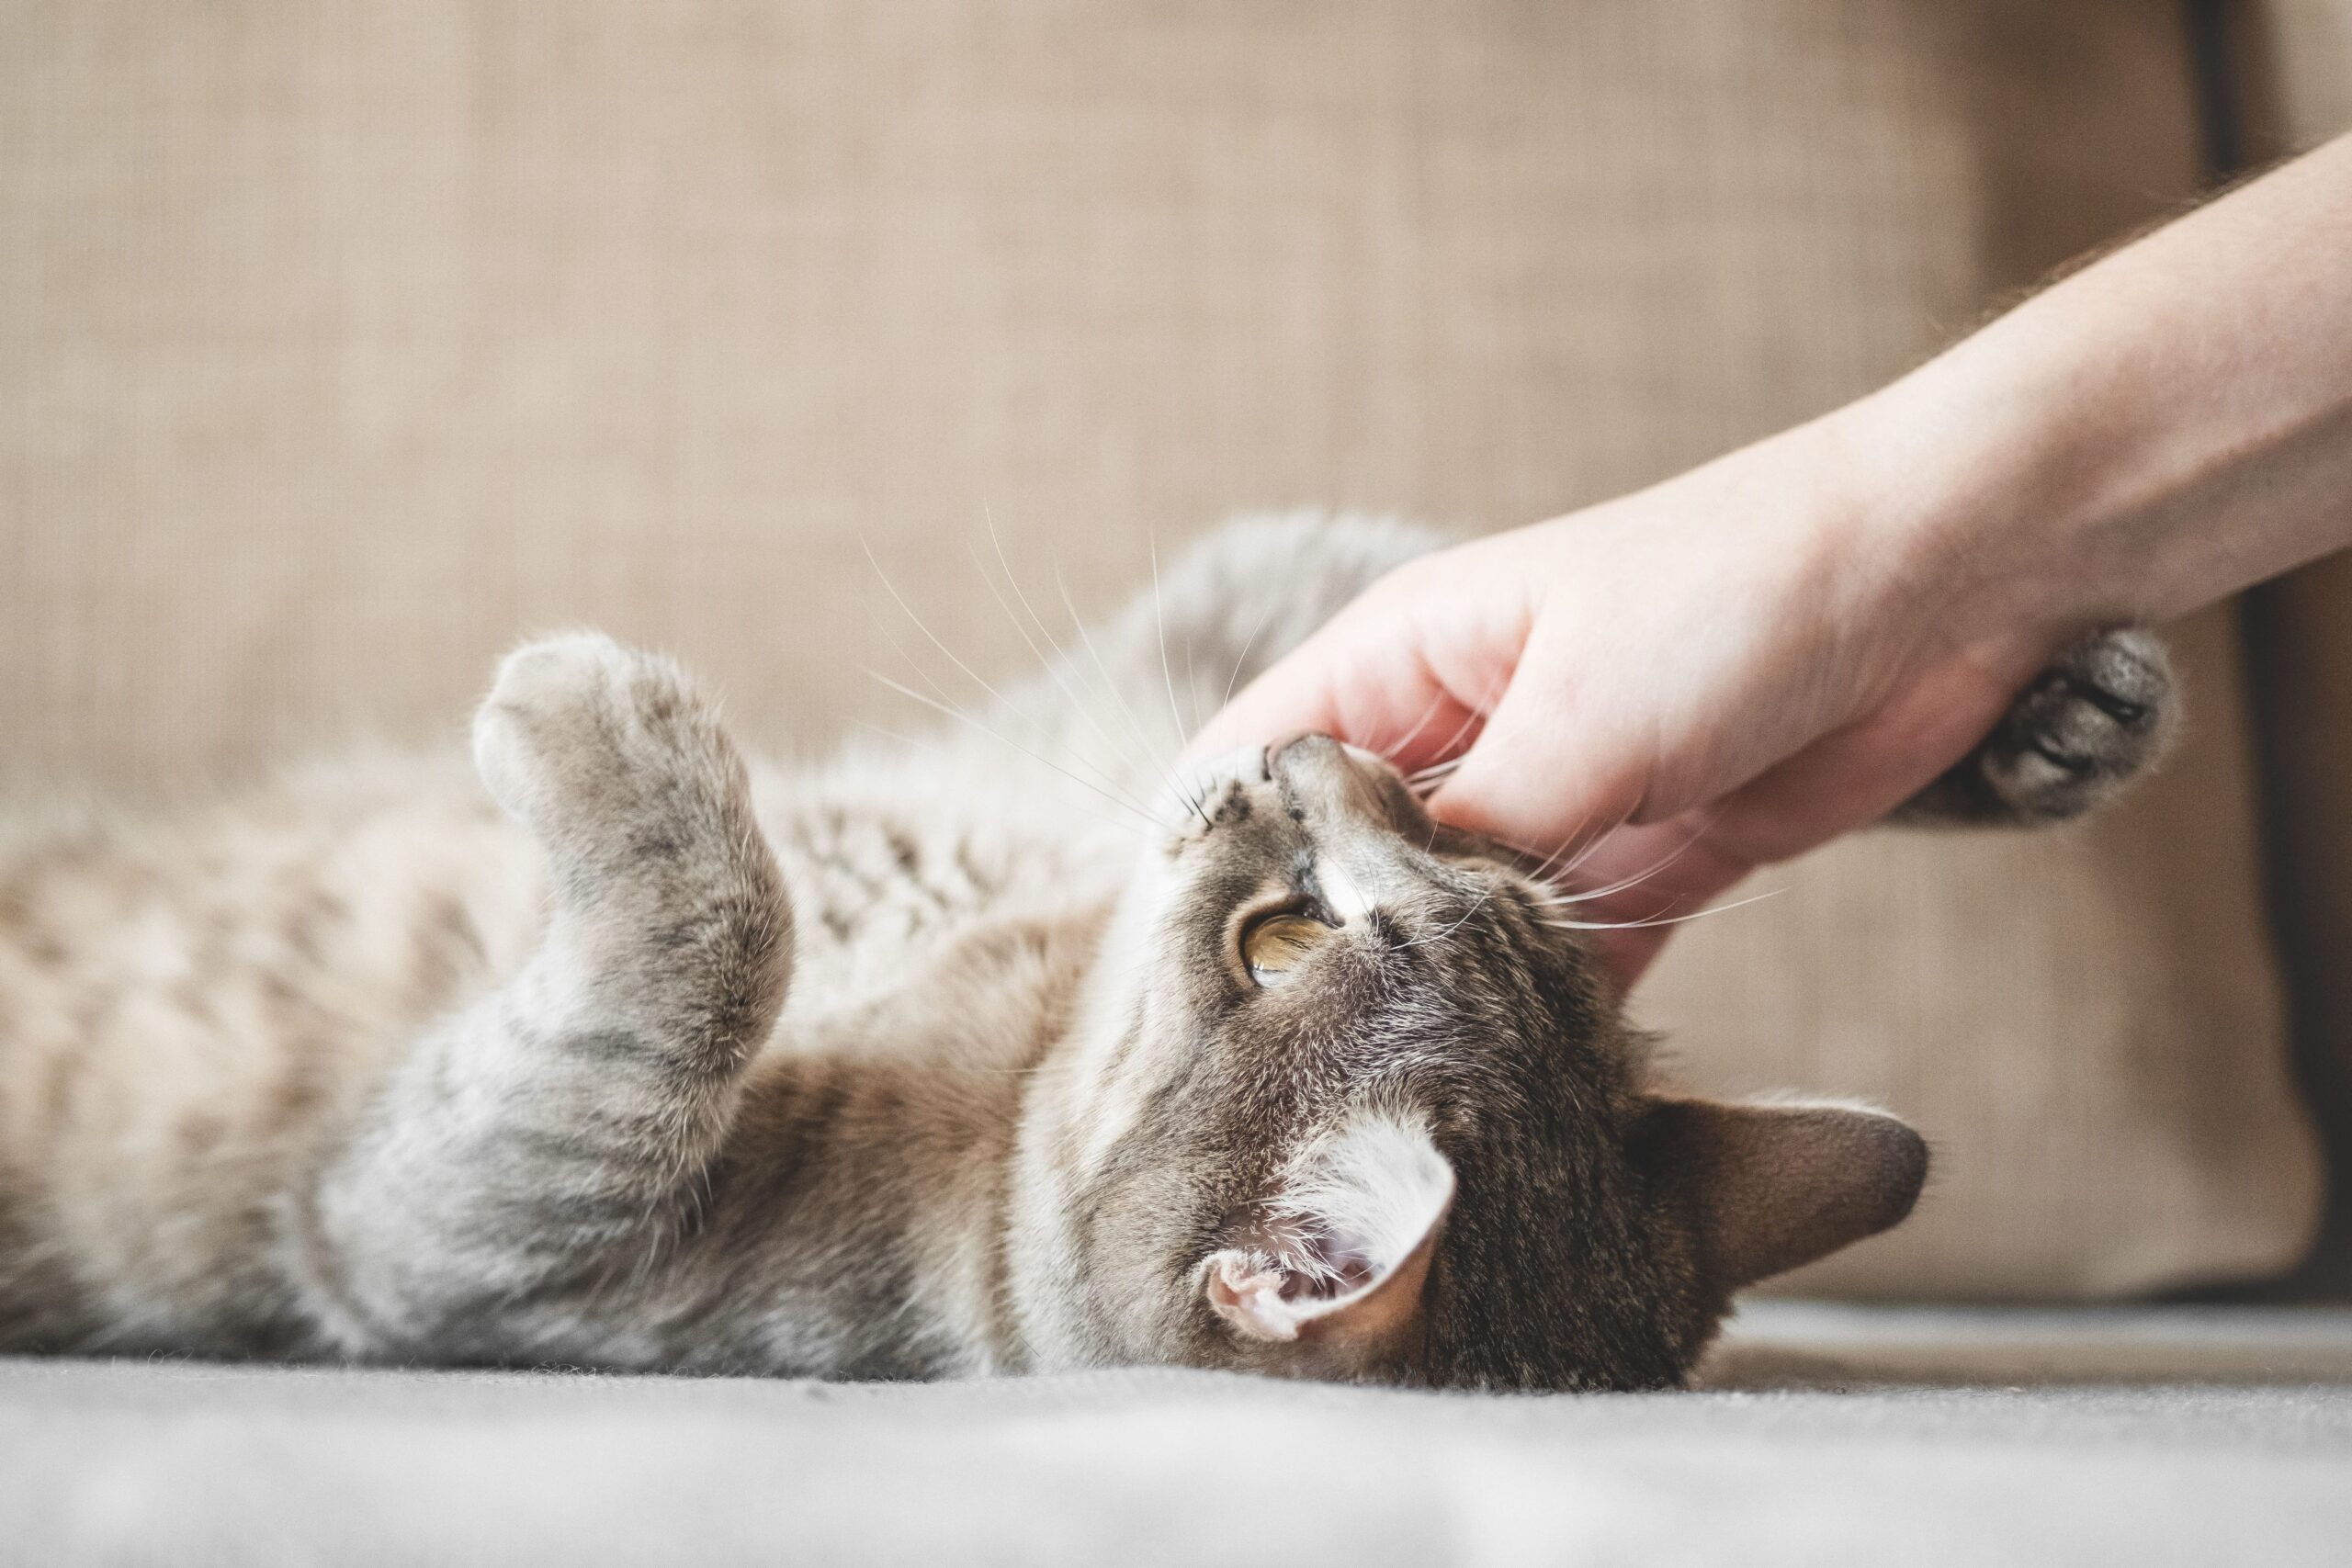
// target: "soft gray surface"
[[151, 1463]]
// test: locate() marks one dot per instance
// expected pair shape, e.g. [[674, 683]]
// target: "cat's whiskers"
[[1160, 623], [1241, 660], [1451, 753], [1662, 920], [1475, 905], [889, 734], [1191, 688], [1560, 895], [1055, 665], [954, 713], [1546, 867], [1109, 788], [968, 672], [1390, 752], [1111, 683]]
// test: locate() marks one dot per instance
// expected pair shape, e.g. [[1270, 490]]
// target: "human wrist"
[[1882, 580], [1978, 482], [2153, 432]]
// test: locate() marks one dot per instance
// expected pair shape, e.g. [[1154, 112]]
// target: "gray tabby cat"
[[894, 1067]]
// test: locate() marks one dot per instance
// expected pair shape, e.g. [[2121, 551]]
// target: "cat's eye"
[[1274, 946]]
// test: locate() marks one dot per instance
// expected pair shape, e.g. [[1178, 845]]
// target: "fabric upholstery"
[[2291, 64], [339, 344]]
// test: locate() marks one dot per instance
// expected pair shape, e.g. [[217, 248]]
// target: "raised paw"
[[2095, 720], [609, 756], [671, 935]]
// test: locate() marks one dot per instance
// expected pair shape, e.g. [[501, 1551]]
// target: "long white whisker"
[[1175, 785], [1159, 621], [1421, 724], [1484, 895], [1076, 669], [910, 612], [970, 673], [1586, 896], [1053, 670], [948, 704], [1425, 783], [1243, 657], [1476, 715], [1191, 687], [1542, 871], [1449, 758], [918, 744], [1110, 683], [1062, 660], [958, 714], [1662, 920]]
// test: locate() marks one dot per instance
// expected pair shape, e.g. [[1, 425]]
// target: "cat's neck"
[[873, 1167]]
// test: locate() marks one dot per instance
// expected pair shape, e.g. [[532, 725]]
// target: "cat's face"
[[1350, 1101]]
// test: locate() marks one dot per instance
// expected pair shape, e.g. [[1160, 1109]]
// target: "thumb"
[[1363, 680], [1292, 698]]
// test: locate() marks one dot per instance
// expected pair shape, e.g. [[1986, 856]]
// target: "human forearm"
[[2158, 430], [1785, 644]]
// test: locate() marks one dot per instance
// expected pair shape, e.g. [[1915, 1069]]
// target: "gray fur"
[[897, 1068]]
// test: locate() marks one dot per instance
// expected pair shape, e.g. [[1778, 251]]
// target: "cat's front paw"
[[2097, 718], [606, 752]]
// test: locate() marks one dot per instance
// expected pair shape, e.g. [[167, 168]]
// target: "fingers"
[[1852, 777], [1639, 882], [1636, 885], [1403, 672], [1296, 695], [1545, 770]]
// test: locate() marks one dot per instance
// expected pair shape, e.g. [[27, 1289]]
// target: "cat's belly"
[[886, 875]]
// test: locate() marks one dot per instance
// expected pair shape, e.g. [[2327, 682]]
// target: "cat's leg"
[[557, 1133], [2095, 720]]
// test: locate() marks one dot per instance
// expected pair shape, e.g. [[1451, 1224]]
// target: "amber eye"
[[1279, 943]]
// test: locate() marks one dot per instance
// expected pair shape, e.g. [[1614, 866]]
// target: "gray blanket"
[[1827, 1437]]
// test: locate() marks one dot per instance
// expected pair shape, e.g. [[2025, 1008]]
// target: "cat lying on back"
[[900, 1068]]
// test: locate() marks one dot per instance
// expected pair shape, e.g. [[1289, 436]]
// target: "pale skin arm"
[[1779, 647]]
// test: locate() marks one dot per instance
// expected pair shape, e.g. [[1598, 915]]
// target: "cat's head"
[[1346, 1099]]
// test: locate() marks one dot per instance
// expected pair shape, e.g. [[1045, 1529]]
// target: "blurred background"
[[342, 344]]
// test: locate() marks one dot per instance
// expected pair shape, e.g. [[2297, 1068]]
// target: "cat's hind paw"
[[2099, 717]]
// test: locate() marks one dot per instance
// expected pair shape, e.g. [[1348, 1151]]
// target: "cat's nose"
[[1304, 753], [1316, 771], [1316, 750]]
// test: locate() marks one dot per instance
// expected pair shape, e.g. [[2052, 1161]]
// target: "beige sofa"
[[339, 345]]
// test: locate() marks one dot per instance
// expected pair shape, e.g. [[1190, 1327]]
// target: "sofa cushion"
[[336, 348], [2291, 63]]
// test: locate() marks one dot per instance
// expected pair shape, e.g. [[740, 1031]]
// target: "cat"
[[650, 1056]]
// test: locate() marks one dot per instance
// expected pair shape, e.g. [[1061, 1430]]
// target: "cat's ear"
[[1336, 1264], [1767, 1188]]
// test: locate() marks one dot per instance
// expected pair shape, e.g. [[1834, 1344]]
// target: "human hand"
[[1730, 668], [1669, 690]]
